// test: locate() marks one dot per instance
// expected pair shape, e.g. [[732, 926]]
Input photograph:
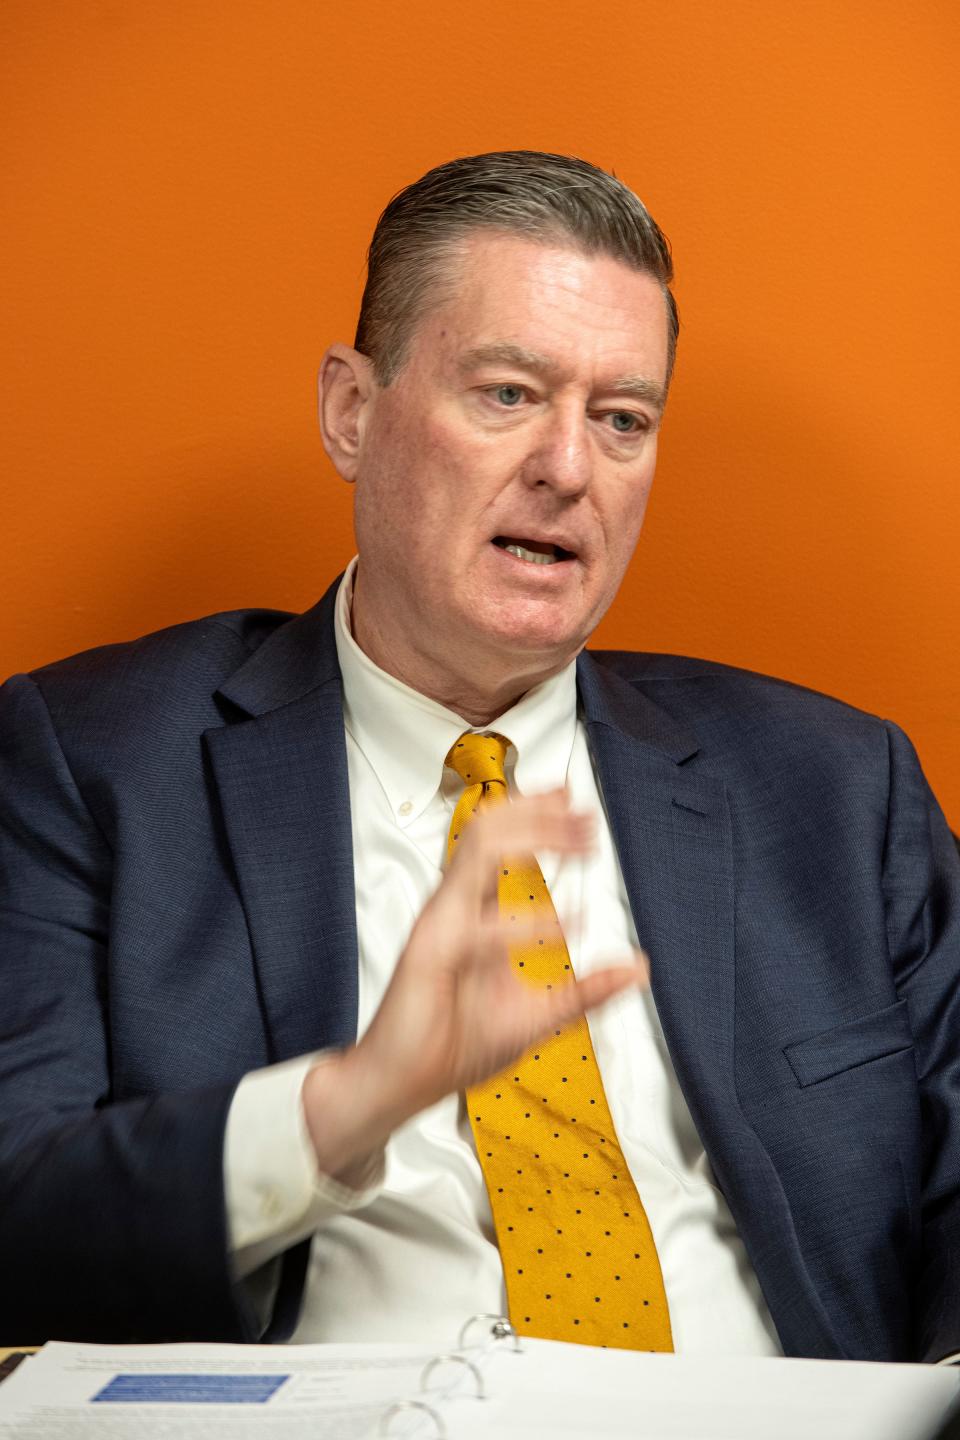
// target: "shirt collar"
[[405, 736]]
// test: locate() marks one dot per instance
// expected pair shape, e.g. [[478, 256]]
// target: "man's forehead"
[[485, 263], [497, 286]]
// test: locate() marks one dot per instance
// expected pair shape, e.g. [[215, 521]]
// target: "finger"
[[529, 928], [480, 942], [642, 961], [532, 823], [636, 957], [571, 924], [570, 1002], [496, 935]]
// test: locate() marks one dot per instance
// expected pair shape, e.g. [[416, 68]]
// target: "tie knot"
[[478, 759]]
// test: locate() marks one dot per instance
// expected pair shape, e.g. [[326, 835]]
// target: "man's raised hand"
[[455, 1012]]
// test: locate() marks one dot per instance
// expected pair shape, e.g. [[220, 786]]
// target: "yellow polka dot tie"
[[578, 1256]]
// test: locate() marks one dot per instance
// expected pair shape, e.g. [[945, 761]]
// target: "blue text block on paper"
[[190, 1389]]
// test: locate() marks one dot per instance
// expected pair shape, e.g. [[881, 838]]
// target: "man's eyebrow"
[[640, 388], [504, 352]]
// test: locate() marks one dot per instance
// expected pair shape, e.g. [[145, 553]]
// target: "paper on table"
[[573, 1392], [564, 1392], [309, 1392]]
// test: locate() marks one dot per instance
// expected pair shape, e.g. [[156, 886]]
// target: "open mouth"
[[537, 552]]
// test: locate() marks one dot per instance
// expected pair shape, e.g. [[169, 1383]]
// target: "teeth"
[[533, 555]]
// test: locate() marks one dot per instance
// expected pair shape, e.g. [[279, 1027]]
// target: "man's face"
[[502, 477]]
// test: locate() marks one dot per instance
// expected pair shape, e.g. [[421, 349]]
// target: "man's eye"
[[509, 395], [630, 422]]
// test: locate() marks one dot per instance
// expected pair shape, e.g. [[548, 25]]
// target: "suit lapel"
[[671, 824], [671, 827], [280, 770]]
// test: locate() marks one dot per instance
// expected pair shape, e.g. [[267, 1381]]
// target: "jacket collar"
[[610, 700], [294, 660], [302, 655]]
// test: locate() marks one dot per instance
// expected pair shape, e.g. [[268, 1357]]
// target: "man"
[[244, 1002]]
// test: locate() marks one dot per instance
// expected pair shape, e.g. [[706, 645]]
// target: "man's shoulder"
[[210, 644], [169, 675], [726, 705], [651, 670]]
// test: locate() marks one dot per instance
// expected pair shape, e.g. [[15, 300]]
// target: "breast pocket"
[[857, 1042]]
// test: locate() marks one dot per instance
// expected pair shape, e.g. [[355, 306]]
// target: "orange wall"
[[188, 190]]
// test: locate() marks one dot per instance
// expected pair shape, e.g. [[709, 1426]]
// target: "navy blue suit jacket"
[[177, 908]]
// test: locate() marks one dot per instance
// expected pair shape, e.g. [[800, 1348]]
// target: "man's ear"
[[346, 388]]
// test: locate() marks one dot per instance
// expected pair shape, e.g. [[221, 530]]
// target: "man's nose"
[[561, 458]]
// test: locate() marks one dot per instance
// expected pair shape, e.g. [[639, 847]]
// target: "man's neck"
[[478, 696]]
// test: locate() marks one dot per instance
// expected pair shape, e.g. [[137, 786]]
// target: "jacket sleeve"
[[922, 897], [113, 1225]]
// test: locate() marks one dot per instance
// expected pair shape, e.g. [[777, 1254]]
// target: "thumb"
[[571, 1001]]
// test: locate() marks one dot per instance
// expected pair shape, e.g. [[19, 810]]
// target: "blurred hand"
[[455, 1012]]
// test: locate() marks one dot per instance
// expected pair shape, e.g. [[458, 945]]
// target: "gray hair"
[[547, 198]]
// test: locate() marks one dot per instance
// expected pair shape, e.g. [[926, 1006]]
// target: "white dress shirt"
[[414, 1253]]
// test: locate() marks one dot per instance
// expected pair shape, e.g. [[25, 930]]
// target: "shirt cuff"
[[275, 1193]]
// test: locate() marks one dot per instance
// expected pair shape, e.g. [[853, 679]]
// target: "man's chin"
[[542, 640]]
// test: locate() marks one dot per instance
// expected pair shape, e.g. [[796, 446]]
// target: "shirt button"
[[405, 808]]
